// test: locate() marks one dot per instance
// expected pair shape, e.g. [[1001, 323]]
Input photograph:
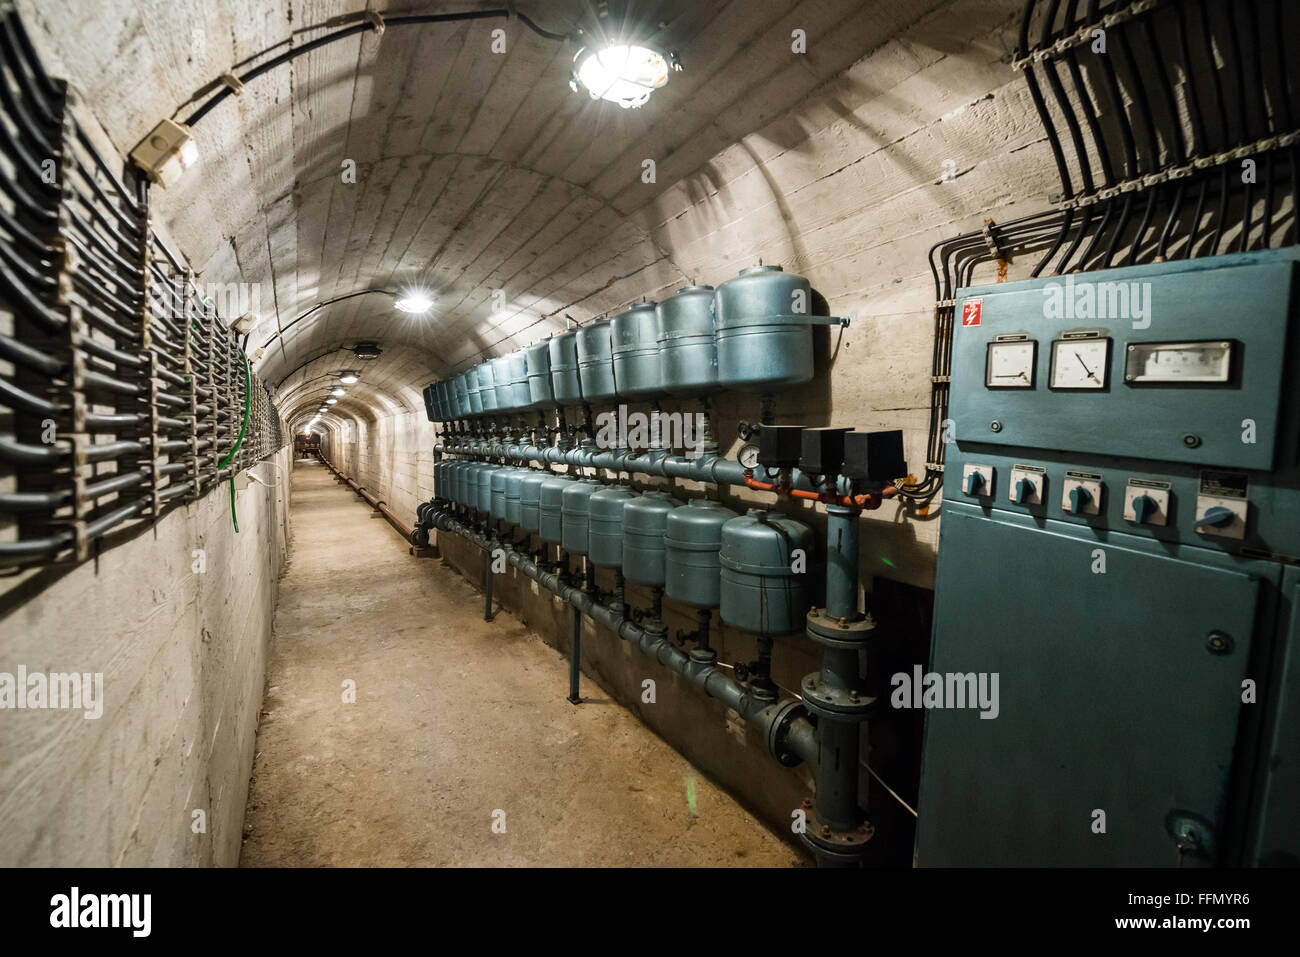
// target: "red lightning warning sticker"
[[970, 312]]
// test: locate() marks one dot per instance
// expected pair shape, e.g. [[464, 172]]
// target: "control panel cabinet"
[[1120, 561]]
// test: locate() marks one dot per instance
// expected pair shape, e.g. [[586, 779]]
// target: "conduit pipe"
[[379, 506], [708, 467], [790, 736]]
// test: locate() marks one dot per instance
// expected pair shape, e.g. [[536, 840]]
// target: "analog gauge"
[[1010, 364], [1179, 362], [748, 456], [1081, 363]]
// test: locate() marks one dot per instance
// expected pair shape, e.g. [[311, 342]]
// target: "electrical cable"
[[364, 26]]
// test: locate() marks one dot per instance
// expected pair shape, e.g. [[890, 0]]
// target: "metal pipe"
[[790, 736], [841, 562], [575, 658]]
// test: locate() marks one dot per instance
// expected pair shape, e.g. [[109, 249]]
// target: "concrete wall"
[[183, 658]]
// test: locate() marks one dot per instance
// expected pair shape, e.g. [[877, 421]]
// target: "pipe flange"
[[838, 704], [844, 847], [839, 633], [778, 730]]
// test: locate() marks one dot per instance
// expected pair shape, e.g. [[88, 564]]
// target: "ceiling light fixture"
[[413, 300], [166, 153], [347, 378], [338, 392], [366, 350], [331, 401], [622, 72]]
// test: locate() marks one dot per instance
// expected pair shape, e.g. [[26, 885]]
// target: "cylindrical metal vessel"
[[688, 349], [485, 488], [761, 592], [487, 389], [575, 510], [470, 487], [605, 532], [517, 365], [692, 539], [596, 362], [566, 384], [474, 391], [537, 364], [498, 501], [530, 494], [764, 339], [456, 483], [644, 521], [550, 509], [514, 487], [460, 393], [442, 479], [442, 399], [501, 383], [634, 337]]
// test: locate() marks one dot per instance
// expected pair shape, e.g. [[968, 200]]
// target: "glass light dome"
[[625, 74]]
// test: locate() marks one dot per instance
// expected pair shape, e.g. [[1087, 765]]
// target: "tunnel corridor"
[[849, 445], [455, 720]]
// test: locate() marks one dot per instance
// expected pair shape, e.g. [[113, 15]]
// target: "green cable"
[[239, 439]]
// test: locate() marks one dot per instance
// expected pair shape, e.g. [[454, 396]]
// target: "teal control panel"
[[1120, 544]]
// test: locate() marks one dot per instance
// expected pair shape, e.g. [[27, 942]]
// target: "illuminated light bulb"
[[623, 73], [413, 301]]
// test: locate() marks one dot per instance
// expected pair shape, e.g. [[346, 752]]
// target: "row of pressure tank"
[[701, 553], [752, 334]]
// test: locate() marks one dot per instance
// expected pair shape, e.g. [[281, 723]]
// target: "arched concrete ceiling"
[[475, 171]]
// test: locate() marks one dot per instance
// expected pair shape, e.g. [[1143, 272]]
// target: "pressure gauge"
[[1080, 361], [1010, 363], [1179, 362], [748, 455]]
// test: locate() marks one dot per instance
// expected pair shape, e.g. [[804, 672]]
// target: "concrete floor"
[[455, 721]]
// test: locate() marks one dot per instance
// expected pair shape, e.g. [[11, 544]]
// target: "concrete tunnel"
[[648, 433]]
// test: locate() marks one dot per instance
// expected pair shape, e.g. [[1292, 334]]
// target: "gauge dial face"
[[1010, 364], [1179, 362], [1080, 363], [748, 456]]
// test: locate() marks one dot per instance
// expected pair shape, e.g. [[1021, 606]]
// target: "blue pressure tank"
[[487, 387], [605, 532], [566, 384], [761, 591], [550, 509], [501, 383], [764, 337], [692, 540], [474, 391], [634, 336], [596, 362], [576, 515], [537, 364], [530, 494], [644, 521], [514, 487]]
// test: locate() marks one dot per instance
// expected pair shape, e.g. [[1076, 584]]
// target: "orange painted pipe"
[[868, 500]]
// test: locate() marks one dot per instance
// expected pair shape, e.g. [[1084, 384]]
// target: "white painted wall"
[[183, 658]]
